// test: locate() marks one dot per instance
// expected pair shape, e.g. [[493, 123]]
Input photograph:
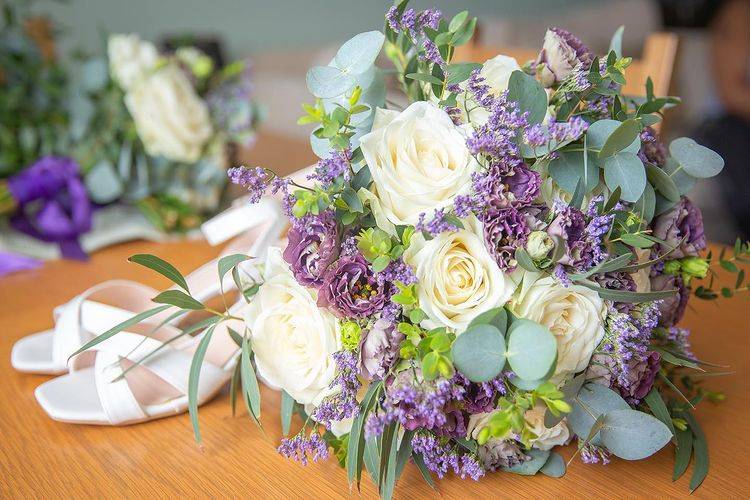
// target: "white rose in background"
[[496, 73], [293, 340], [458, 278], [546, 438], [575, 315], [418, 160], [130, 59], [171, 120]]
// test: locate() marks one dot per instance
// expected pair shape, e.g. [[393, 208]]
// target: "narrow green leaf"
[[179, 299], [424, 77], [228, 262], [700, 448], [659, 409], [458, 20], [249, 380], [419, 462], [682, 453], [287, 407], [389, 481], [120, 327], [356, 448], [194, 378], [371, 454], [162, 267], [236, 337], [525, 260], [233, 388], [630, 297], [404, 452], [607, 266]]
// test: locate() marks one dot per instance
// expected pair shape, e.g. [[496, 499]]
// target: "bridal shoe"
[[109, 303]]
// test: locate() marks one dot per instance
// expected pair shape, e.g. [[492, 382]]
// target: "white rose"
[[546, 438], [293, 339], [496, 73], [418, 160], [575, 315], [171, 120], [130, 59], [458, 278]]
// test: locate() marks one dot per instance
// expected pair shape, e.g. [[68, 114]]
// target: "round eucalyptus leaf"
[[696, 160], [646, 205], [633, 435], [327, 81], [554, 466], [626, 171], [525, 385], [662, 205], [479, 353], [593, 399], [532, 349], [682, 181], [598, 133], [94, 74], [497, 317], [662, 182], [569, 167], [530, 467], [358, 53], [529, 94], [103, 183]]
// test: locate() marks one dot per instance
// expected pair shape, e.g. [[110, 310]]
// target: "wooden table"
[[42, 458]]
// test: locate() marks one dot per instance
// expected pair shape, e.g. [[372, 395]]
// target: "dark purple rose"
[[641, 375], [504, 231], [617, 281], [519, 187], [652, 149], [569, 227], [52, 203], [350, 288], [378, 349], [561, 53], [313, 246], [672, 308], [684, 220]]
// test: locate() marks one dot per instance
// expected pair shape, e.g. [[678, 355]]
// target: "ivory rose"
[[418, 160], [293, 339], [458, 278], [130, 59], [496, 73], [171, 120], [546, 438], [574, 314]]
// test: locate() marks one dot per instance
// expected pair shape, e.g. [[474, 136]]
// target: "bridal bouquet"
[[496, 270]]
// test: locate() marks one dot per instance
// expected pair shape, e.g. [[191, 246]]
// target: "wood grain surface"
[[41, 458]]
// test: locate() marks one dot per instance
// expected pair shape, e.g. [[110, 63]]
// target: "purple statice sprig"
[[441, 455], [334, 168], [343, 403], [303, 447], [440, 222], [255, 179]]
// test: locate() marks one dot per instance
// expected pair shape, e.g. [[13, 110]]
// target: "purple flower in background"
[[52, 202], [350, 288], [255, 179], [312, 247], [672, 308], [379, 349], [562, 52], [504, 231], [684, 220], [231, 106]]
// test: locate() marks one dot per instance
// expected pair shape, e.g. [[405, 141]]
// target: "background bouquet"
[[139, 128], [495, 270]]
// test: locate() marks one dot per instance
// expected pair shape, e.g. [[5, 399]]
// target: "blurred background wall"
[[285, 37]]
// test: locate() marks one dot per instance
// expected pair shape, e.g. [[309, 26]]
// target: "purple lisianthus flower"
[[378, 349], [640, 377], [518, 187], [480, 397], [350, 288], [313, 245], [684, 220], [561, 53], [505, 230], [569, 227], [672, 309], [652, 149], [617, 281]]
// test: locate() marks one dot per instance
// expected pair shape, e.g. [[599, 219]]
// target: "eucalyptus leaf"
[[700, 451], [227, 262], [679, 176], [194, 378], [162, 267], [646, 205], [662, 182], [633, 435], [626, 171], [683, 452], [525, 260], [569, 167], [592, 401], [616, 43], [479, 353], [629, 297], [249, 380], [358, 53], [532, 349], [599, 131], [698, 161], [529, 94], [179, 299], [554, 466], [620, 138], [287, 408], [659, 409], [329, 82], [497, 317], [530, 467], [102, 183]]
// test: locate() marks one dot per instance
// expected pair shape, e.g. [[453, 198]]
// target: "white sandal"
[[99, 391], [109, 303]]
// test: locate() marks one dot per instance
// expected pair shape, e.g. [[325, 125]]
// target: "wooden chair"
[[657, 61]]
